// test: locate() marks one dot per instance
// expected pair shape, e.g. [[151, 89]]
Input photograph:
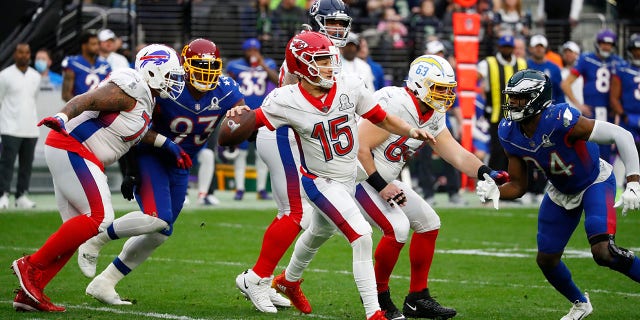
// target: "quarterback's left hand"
[[630, 198], [183, 161], [488, 190]]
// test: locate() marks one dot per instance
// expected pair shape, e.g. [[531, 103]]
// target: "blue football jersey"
[[553, 72], [87, 76], [254, 81], [570, 168], [597, 77], [629, 76], [188, 122]]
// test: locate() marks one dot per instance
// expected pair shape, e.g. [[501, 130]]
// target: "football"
[[235, 129]]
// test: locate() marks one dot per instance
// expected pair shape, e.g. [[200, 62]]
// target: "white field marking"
[[153, 314]]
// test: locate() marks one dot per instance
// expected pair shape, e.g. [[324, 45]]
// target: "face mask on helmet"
[[330, 18], [633, 49], [161, 70], [605, 36], [528, 93], [202, 63], [432, 80], [313, 56]]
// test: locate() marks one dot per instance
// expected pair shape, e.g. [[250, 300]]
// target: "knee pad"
[[621, 258]]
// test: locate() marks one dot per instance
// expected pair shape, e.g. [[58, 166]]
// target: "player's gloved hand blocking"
[[183, 161], [56, 123], [128, 186], [488, 190], [630, 198]]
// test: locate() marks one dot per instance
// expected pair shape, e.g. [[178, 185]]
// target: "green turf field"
[[485, 268]]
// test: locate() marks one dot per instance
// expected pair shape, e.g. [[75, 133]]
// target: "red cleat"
[[23, 303], [292, 291], [30, 277], [379, 315]]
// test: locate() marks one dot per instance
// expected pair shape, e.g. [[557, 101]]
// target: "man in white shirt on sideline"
[[351, 64], [570, 53], [19, 86], [108, 47]]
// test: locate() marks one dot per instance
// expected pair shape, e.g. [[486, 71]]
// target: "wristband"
[[482, 170], [62, 116], [376, 181], [159, 141]]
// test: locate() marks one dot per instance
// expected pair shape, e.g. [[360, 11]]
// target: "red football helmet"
[[202, 64], [305, 50]]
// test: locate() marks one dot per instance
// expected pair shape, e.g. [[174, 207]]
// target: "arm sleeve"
[[606, 133]]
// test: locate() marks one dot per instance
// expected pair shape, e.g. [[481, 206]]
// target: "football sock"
[[112, 273], [634, 271], [138, 249], [71, 234], [386, 256], [276, 240], [240, 168], [305, 249], [421, 250], [560, 278], [261, 174], [364, 274], [55, 267], [206, 159]]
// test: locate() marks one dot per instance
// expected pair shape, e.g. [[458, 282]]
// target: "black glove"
[[128, 186]]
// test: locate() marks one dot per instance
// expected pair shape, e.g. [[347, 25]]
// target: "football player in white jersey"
[[328, 17], [322, 110], [92, 131], [423, 103]]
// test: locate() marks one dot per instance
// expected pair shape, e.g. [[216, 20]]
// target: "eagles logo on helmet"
[[202, 63], [531, 86]]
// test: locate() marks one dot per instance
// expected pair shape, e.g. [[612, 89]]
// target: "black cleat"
[[422, 305], [390, 309]]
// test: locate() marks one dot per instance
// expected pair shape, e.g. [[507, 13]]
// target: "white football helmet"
[[432, 80], [160, 67]]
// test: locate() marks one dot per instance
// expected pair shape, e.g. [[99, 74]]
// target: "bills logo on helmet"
[[298, 44], [156, 57]]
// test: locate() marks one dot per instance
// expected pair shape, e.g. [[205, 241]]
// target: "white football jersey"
[[391, 155], [109, 135], [327, 129]]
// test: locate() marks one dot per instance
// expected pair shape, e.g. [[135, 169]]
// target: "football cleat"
[[239, 195], [293, 292], [263, 195], [379, 315], [208, 200], [104, 291], [4, 201], [389, 308], [256, 289], [579, 310], [422, 305], [30, 278], [88, 258], [22, 303], [277, 299], [23, 202]]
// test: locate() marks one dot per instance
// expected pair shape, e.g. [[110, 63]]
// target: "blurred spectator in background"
[[393, 30], [510, 19], [50, 80], [538, 47], [424, 24], [494, 71], [351, 64], [558, 18], [257, 76], [376, 68], [287, 19], [628, 11], [304, 4], [19, 86], [108, 47], [255, 20], [85, 71], [520, 47], [570, 54]]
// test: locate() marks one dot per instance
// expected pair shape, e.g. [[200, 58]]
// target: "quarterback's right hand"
[[488, 190], [128, 186], [55, 123]]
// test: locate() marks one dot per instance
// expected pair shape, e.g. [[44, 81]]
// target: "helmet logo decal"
[[428, 60], [156, 57], [527, 84], [314, 8], [298, 44]]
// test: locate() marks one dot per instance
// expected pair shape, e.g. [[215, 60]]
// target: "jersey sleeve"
[[233, 94], [132, 84], [580, 66], [273, 112], [366, 102]]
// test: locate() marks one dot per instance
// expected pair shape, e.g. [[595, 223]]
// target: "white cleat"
[[257, 290], [580, 310], [88, 259], [277, 299], [4, 201], [24, 203], [102, 290], [208, 200]]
